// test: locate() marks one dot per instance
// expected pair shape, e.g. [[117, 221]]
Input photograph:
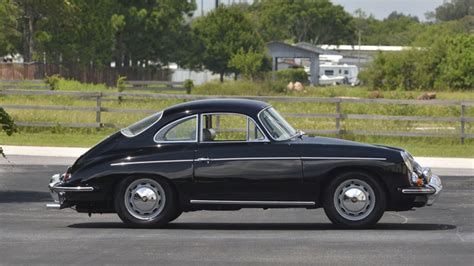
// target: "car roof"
[[226, 105]]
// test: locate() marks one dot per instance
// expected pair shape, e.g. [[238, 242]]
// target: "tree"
[[80, 32], [314, 21], [152, 30], [396, 29], [222, 33], [447, 63], [453, 10], [457, 68], [10, 37], [248, 63]]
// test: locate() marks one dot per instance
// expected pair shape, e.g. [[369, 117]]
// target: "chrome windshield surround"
[[232, 141], [124, 132], [170, 124], [266, 130], [254, 202]]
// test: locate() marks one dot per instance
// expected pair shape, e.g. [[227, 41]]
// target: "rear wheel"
[[354, 200], [145, 202]]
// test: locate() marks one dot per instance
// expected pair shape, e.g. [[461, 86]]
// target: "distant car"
[[228, 154]]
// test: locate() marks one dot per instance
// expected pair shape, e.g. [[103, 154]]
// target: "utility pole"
[[358, 52], [202, 8], [217, 3]]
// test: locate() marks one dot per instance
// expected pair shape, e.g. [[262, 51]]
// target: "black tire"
[[158, 215], [177, 213], [341, 204]]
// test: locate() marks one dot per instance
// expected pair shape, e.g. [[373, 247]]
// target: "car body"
[[228, 154]]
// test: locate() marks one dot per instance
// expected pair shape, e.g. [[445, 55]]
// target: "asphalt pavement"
[[442, 234]]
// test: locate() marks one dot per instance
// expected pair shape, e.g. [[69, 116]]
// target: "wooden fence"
[[154, 86], [339, 116], [84, 74]]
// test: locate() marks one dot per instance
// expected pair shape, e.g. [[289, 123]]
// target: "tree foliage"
[[448, 63], [313, 21], [223, 33], [396, 29], [247, 63], [150, 30], [453, 10], [10, 36], [7, 124]]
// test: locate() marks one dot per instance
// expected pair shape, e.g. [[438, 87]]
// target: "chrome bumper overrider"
[[430, 190], [57, 191]]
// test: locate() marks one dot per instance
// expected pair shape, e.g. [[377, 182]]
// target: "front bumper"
[[58, 191], [431, 190]]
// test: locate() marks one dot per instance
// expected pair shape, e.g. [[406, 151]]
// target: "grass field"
[[59, 136]]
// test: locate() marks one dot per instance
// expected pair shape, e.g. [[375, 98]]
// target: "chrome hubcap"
[[354, 199], [144, 199]]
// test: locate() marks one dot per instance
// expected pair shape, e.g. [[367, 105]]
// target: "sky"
[[379, 8]]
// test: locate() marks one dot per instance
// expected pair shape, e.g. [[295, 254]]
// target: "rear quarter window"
[[142, 125]]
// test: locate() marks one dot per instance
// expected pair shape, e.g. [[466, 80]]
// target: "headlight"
[[415, 174]]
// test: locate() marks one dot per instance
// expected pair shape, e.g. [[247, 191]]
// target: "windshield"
[[276, 125], [142, 125]]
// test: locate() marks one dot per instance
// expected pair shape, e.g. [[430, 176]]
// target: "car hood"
[[342, 145], [334, 141], [94, 153]]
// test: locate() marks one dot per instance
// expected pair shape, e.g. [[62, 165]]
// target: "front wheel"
[[145, 202], [354, 200]]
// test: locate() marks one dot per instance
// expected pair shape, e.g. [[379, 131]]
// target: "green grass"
[[248, 88], [58, 136]]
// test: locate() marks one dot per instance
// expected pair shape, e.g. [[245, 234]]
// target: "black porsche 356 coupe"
[[228, 154]]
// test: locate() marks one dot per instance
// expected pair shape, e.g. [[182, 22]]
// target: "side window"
[[229, 127], [180, 130], [254, 133], [329, 72]]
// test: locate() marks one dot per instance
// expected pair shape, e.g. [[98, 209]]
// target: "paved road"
[[29, 234]]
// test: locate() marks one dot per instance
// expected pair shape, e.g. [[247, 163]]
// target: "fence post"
[[98, 109], [338, 118], [463, 112]]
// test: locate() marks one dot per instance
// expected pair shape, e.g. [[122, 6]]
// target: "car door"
[[236, 162]]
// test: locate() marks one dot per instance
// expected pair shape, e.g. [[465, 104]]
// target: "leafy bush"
[[53, 81], [292, 75], [8, 125], [121, 86], [188, 85], [448, 63]]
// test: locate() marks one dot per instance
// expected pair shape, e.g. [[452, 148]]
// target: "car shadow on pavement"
[[271, 226], [22, 196]]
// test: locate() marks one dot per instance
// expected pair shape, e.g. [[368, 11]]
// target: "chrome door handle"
[[207, 160]]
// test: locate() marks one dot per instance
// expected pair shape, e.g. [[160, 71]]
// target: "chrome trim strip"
[[72, 189], [253, 158], [344, 158], [148, 162], [53, 206], [247, 159], [174, 123], [254, 202], [420, 190]]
